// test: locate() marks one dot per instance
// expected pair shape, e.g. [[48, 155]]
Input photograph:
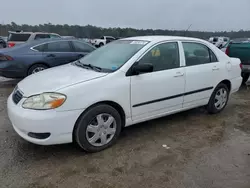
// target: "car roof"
[[40, 41], [156, 38], [27, 32]]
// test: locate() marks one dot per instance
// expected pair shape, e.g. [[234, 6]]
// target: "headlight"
[[44, 101]]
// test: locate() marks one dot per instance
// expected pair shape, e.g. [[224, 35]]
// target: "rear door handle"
[[215, 68], [179, 74]]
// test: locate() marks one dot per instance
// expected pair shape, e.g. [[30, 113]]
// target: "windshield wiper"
[[89, 66], [99, 69]]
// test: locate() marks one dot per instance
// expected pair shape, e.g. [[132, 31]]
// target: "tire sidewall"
[[34, 67], [211, 105], [86, 118]]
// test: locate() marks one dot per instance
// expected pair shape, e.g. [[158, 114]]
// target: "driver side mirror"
[[142, 68]]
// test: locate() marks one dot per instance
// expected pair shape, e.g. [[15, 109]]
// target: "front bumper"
[[12, 69], [60, 125], [11, 73]]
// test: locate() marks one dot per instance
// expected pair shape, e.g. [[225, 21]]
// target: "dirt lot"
[[206, 151]]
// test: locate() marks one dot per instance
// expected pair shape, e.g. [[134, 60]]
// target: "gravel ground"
[[189, 149]]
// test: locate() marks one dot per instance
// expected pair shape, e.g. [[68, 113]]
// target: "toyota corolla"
[[125, 82]]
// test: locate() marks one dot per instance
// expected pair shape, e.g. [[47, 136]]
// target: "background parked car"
[[102, 41], [240, 48], [15, 37], [3, 43], [36, 56], [219, 41]]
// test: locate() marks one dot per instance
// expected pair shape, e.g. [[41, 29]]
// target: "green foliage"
[[90, 31]]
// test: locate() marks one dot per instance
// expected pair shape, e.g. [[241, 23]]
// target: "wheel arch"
[[227, 83], [37, 63], [115, 105]]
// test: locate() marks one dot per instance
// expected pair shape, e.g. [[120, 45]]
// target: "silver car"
[[19, 37]]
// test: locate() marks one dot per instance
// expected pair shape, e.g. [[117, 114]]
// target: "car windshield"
[[113, 55]]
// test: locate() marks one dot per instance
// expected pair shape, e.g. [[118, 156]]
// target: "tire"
[[2, 45], [101, 44], [88, 120], [212, 108], [245, 77], [38, 67]]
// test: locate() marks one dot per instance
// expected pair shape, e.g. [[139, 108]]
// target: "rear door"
[[81, 49], [58, 53], [203, 73]]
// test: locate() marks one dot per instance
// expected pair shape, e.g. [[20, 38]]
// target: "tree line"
[[90, 31]]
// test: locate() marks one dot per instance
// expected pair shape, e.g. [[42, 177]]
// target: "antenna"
[[187, 29]]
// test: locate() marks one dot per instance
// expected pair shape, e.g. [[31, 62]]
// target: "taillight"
[[227, 51], [11, 44], [5, 58], [240, 65]]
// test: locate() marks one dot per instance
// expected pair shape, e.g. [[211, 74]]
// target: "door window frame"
[[180, 51], [201, 43]]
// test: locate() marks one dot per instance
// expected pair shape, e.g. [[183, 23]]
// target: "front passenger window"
[[163, 57]]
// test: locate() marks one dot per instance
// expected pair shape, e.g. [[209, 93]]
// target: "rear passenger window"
[[163, 57], [197, 54], [54, 36], [61, 46], [82, 47]]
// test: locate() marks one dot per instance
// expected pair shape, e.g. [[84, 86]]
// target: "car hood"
[[53, 79]]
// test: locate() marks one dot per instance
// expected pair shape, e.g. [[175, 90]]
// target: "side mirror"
[[142, 68]]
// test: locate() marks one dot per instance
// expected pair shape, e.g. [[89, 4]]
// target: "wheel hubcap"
[[101, 130], [38, 69], [220, 98]]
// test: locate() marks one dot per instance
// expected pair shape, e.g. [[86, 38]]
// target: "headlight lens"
[[44, 101]]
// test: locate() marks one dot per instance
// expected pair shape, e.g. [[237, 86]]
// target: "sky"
[[204, 15]]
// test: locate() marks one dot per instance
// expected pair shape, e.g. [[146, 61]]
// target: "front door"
[[202, 73], [159, 92]]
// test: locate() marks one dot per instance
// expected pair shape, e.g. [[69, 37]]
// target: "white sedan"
[[123, 83]]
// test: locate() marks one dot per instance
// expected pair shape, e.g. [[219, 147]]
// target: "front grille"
[[17, 96]]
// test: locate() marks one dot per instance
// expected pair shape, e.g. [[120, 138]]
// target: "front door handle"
[[179, 74]]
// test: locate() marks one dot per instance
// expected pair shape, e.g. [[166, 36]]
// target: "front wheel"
[[218, 99], [98, 128]]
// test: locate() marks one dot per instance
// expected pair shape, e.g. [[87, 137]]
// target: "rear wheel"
[[218, 99], [98, 128], [101, 44], [36, 68], [245, 77]]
